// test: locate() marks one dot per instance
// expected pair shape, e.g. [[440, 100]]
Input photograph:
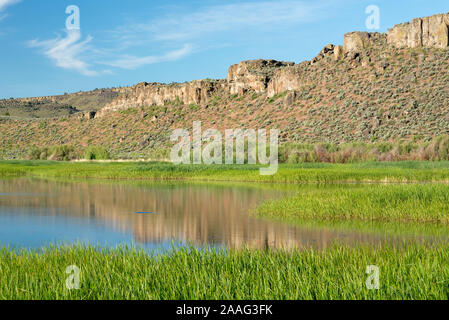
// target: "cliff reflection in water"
[[199, 214]]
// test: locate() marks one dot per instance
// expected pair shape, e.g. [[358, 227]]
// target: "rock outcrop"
[[147, 94], [326, 51], [89, 115], [272, 77], [338, 53], [422, 32], [253, 75], [287, 79], [356, 41]]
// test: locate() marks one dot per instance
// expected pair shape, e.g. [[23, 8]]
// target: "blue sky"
[[121, 43]]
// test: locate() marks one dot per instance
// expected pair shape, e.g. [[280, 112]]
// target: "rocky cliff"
[[253, 75], [148, 94], [243, 77], [273, 77], [422, 32]]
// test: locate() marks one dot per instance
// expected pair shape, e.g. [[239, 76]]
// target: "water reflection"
[[153, 214]]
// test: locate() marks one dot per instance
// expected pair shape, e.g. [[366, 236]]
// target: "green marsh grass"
[[412, 272], [400, 172], [422, 203]]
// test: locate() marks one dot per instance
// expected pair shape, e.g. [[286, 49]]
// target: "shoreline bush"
[[289, 153], [96, 153]]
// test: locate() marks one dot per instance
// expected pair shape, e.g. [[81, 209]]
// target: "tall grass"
[[302, 173], [335, 273], [401, 203]]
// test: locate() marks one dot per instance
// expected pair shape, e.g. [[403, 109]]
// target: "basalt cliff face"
[[273, 77], [149, 94], [243, 77], [422, 32], [253, 75]]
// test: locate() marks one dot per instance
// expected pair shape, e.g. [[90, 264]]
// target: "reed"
[[412, 272], [423, 203], [301, 173]]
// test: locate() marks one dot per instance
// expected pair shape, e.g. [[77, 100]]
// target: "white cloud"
[[237, 16], [175, 30], [72, 53], [6, 3], [67, 52], [132, 62], [179, 28]]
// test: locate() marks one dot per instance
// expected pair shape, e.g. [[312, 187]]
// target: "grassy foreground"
[[408, 272], [301, 173], [337, 273]]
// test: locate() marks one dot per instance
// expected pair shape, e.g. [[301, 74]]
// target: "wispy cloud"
[[72, 53], [221, 18], [178, 31], [6, 3], [235, 16], [178, 28], [67, 52], [133, 62]]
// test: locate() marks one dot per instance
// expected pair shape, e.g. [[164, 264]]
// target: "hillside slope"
[[57, 106], [377, 87]]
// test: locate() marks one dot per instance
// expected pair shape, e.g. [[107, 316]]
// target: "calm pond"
[[35, 213]]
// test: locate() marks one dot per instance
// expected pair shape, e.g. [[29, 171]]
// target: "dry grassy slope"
[[57, 106], [383, 94]]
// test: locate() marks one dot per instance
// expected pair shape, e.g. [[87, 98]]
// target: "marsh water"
[[35, 213]]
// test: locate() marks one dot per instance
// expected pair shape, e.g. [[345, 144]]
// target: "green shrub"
[[63, 153], [34, 154], [39, 154], [96, 153]]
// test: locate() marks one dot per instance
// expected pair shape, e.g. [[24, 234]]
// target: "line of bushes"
[[96, 153], [435, 150], [68, 153], [297, 153], [291, 153]]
